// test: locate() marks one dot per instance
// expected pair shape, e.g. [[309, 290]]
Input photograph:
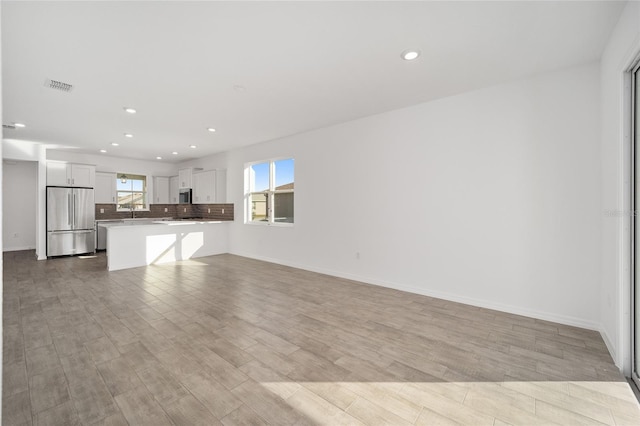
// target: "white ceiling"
[[303, 65]]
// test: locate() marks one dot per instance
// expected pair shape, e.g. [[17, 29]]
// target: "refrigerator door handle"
[[75, 222], [80, 231], [69, 206]]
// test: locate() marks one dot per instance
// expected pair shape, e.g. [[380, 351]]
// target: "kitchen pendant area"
[[72, 214], [140, 224]]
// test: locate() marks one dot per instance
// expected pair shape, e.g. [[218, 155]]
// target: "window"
[[132, 192], [269, 193]]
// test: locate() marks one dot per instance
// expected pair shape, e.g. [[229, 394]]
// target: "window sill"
[[275, 224]]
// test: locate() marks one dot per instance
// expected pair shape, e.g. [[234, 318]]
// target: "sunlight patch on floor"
[[514, 402]]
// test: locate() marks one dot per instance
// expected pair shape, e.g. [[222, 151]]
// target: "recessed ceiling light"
[[128, 135], [211, 129], [410, 54], [239, 88], [103, 151], [21, 125], [115, 144], [192, 146], [175, 152], [158, 158], [130, 110]]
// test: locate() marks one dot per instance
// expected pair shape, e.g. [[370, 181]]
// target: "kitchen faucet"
[[133, 214]]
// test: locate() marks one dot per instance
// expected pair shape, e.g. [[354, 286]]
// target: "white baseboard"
[[18, 248], [610, 347], [517, 310]]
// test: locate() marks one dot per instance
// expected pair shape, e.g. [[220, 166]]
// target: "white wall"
[[105, 163], [213, 162], [491, 197], [19, 189], [35, 152], [622, 48]]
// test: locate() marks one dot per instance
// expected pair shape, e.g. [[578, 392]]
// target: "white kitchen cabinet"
[[184, 178], [204, 187], [221, 186], [105, 189], [173, 190], [57, 174], [160, 190], [69, 174], [83, 175]]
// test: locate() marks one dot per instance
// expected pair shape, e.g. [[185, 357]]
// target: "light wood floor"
[[233, 341]]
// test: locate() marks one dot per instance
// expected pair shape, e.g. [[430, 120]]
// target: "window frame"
[[145, 191], [271, 192]]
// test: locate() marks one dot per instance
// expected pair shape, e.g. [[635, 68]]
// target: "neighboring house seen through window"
[[269, 197], [132, 192]]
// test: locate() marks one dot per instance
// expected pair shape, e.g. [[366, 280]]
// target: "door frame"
[[632, 95]]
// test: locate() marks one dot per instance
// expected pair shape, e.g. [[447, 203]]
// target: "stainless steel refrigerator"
[[70, 221]]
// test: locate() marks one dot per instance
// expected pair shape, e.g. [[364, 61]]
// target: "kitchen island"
[[133, 244]]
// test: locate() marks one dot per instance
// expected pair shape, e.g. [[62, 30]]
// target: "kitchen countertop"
[[149, 222], [135, 219]]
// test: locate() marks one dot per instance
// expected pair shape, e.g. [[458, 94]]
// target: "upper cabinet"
[[173, 190], [58, 174], [68, 174], [184, 178], [209, 187], [105, 192], [83, 175], [160, 190], [221, 186], [204, 187]]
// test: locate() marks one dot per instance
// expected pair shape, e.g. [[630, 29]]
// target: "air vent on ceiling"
[[58, 85], [8, 126]]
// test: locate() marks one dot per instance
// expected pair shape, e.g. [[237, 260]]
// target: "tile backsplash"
[[178, 211]]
